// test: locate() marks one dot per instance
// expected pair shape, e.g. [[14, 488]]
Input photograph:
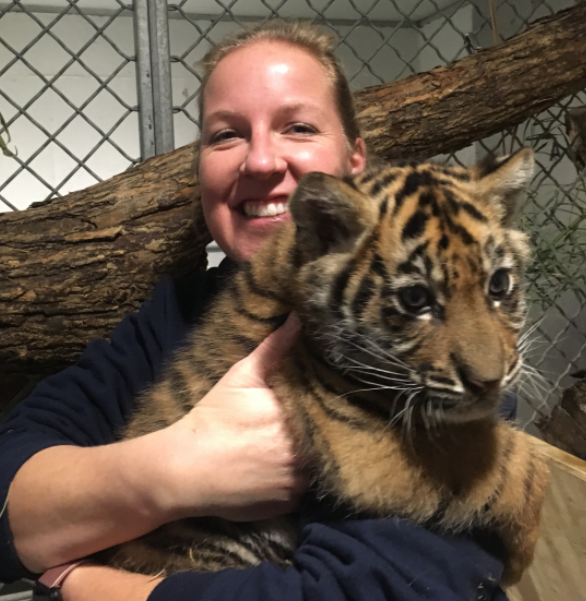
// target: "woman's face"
[[269, 118]]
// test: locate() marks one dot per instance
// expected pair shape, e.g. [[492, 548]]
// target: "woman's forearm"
[[68, 502]]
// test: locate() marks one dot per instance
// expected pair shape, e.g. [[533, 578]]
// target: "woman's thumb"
[[269, 353]]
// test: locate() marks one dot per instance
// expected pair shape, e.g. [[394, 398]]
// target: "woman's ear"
[[357, 157]]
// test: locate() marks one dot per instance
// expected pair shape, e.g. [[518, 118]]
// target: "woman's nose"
[[263, 158]]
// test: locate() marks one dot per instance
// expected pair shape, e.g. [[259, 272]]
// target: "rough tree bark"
[[565, 427], [71, 268]]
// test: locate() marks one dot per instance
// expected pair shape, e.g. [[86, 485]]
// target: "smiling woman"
[[271, 112]]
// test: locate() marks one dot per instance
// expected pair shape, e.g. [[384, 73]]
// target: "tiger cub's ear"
[[330, 214], [501, 181]]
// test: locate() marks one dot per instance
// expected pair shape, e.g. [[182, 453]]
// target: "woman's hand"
[[232, 456]]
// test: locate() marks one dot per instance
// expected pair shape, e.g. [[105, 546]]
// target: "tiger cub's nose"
[[475, 383]]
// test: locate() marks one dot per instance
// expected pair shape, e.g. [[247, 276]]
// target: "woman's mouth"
[[263, 209]]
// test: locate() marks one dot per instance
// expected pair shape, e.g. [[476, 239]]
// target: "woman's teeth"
[[254, 209]]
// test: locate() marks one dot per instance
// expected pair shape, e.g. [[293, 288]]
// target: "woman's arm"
[[360, 560], [232, 457]]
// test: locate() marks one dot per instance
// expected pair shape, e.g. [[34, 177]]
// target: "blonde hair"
[[302, 35]]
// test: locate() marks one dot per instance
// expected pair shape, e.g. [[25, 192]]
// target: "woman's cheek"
[[218, 170], [320, 158]]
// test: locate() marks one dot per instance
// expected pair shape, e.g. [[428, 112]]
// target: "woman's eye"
[[302, 128], [416, 299], [499, 284], [223, 136]]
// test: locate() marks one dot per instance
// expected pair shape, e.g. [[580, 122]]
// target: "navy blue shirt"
[[338, 559]]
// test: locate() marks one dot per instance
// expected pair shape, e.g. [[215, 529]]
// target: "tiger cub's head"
[[411, 281]]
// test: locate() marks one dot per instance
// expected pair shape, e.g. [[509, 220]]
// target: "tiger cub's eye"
[[499, 284], [416, 299]]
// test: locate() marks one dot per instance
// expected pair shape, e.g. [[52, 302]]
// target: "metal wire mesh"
[[379, 40], [64, 94]]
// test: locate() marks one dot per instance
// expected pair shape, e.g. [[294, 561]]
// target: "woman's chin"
[[250, 233]]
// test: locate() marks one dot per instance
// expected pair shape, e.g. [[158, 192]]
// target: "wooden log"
[[479, 95], [71, 268], [559, 568], [565, 426]]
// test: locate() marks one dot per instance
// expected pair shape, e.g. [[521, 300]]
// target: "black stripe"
[[415, 226], [382, 210], [464, 234], [382, 183], [355, 400], [473, 211], [349, 181], [161, 540], [473, 265], [329, 411], [412, 182], [214, 529], [463, 177], [418, 251], [408, 268], [339, 286], [441, 380], [453, 173], [248, 344], [254, 286], [443, 243], [274, 321], [365, 293], [453, 204], [428, 199], [378, 266], [366, 177], [388, 312]]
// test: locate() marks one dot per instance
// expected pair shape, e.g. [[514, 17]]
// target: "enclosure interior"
[[69, 86]]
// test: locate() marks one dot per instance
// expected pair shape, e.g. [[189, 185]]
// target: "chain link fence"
[[74, 73]]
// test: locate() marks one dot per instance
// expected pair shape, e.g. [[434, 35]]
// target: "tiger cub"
[[407, 280]]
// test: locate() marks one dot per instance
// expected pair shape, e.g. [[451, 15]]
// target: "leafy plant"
[[554, 216], [557, 227]]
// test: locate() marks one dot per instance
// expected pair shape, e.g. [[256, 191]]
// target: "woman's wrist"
[[93, 582], [159, 475]]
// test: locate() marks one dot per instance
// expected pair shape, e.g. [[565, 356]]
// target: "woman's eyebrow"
[[301, 106], [223, 114], [285, 109]]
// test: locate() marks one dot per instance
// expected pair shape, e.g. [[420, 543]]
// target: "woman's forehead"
[[266, 67]]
